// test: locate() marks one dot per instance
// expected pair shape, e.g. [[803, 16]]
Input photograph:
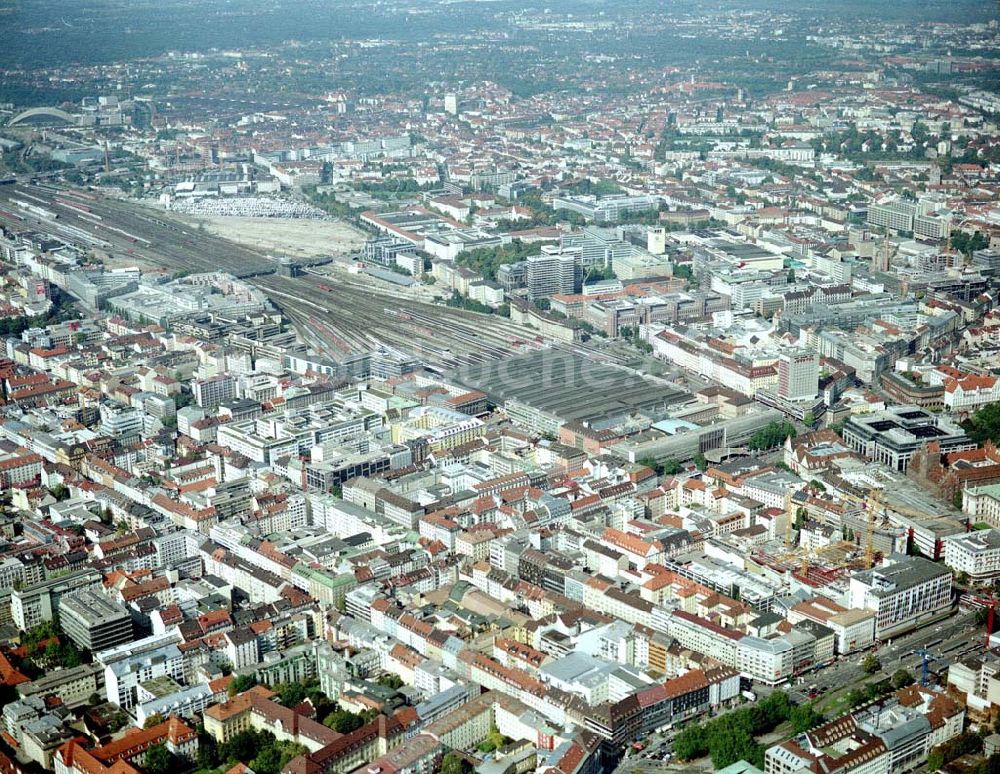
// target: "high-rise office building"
[[656, 240], [93, 621], [550, 273], [39, 602], [798, 375], [897, 215], [119, 421], [209, 393]]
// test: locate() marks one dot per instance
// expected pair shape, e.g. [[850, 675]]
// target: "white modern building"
[[550, 273], [128, 665], [769, 661], [970, 392], [975, 553], [704, 636], [39, 602], [905, 593], [854, 630], [982, 504]]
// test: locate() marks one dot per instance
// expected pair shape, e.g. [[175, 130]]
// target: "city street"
[[948, 640]]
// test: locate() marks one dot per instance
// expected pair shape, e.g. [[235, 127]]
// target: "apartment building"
[[74, 686], [19, 468], [127, 754], [163, 698], [704, 636], [357, 748], [226, 720], [890, 737]]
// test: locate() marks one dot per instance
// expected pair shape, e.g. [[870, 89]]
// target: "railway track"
[[364, 317], [127, 228], [351, 316]]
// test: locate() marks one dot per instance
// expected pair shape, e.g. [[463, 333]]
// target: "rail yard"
[[349, 315]]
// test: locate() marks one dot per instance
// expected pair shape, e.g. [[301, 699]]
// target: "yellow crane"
[[871, 504], [789, 519], [844, 546], [805, 556], [790, 551]]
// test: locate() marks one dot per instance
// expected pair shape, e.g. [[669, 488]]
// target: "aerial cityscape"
[[416, 386]]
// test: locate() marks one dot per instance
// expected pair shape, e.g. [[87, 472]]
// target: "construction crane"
[[926, 657], [871, 505], [789, 519], [844, 547], [795, 552], [990, 603], [789, 552], [874, 505]]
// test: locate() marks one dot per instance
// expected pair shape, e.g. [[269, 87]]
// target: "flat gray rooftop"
[[568, 386]]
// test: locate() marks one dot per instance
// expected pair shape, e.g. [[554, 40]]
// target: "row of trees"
[[598, 274], [36, 635], [392, 186], [458, 301], [48, 648], [984, 424], [17, 163], [587, 187], [963, 744], [877, 689], [669, 467], [14, 326], [730, 737], [633, 336], [486, 260], [61, 311], [329, 203], [772, 436], [968, 243], [332, 714], [257, 749], [453, 763], [900, 678], [493, 741], [542, 213]]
